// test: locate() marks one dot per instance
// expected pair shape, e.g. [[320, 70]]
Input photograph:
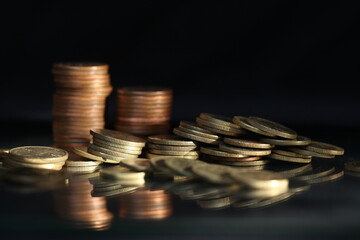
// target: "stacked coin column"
[[79, 101], [144, 111]]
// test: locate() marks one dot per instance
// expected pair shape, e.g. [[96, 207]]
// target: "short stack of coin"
[[76, 205], [171, 146], [144, 111], [79, 100], [39, 157], [114, 146], [145, 204]]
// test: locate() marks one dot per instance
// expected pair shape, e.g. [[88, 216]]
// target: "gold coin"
[[107, 158], [245, 164], [219, 131], [81, 169], [289, 159], [110, 152], [202, 122], [171, 147], [247, 143], [151, 156], [218, 203], [77, 163], [335, 175], [19, 164], [181, 165], [261, 179], [229, 159], [103, 143], [213, 173], [170, 140], [273, 200], [324, 148], [120, 173], [315, 174], [219, 119], [198, 133], [38, 154], [217, 152], [192, 125], [178, 132], [299, 141], [272, 127], [116, 149], [243, 122], [309, 153], [289, 173], [82, 152], [118, 137], [289, 153], [244, 151], [137, 164], [352, 166], [175, 153]]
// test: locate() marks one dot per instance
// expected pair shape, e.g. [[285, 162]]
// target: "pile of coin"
[[79, 100], [124, 176], [144, 111], [171, 146], [39, 157], [145, 204], [113, 146], [76, 205]]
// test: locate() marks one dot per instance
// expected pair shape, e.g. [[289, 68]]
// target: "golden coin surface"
[[103, 143], [175, 153], [243, 122], [194, 137], [260, 179], [289, 153], [77, 163], [219, 131], [247, 143], [39, 154], [117, 149], [193, 126], [170, 147], [324, 148], [219, 126], [217, 152], [219, 119], [107, 158], [201, 134], [170, 140], [289, 159], [310, 153], [272, 127], [118, 137], [245, 151], [298, 141], [110, 152]]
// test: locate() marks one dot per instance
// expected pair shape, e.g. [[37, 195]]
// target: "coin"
[[213, 173], [219, 131], [244, 151], [233, 159], [118, 137], [38, 154], [192, 126], [260, 179], [117, 149], [120, 173], [110, 152], [151, 156], [324, 148], [170, 147], [170, 140], [245, 164], [183, 134], [333, 176], [316, 173], [289, 158], [243, 122], [272, 127], [201, 134], [79, 163], [107, 157], [247, 143], [217, 152], [83, 152], [181, 165], [298, 141], [202, 122], [289, 153], [175, 153], [218, 119], [289, 173], [137, 164], [309, 153], [120, 147], [145, 90], [19, 164]]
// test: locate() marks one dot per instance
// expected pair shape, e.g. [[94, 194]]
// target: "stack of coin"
[[124, 176], [79, 100], [145, 204], [39, 157], [190, 130], [171, 146], [114, 146], [144, 111], [76, 205], [78, 164]]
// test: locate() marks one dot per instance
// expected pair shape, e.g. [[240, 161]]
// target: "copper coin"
[[81, 65], [144, 120], [104, 77], [145, 90]]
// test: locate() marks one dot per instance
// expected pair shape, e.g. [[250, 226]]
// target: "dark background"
[[289, 61]]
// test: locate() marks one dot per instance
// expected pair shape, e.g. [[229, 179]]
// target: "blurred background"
[[289, 61]]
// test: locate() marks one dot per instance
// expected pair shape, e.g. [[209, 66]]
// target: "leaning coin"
[[82, 152], [201, 134], [193, 126], [239, 132], [183, 134], [219, 126], [170, 140], [217, 152], [324, 148], [272, 127], [316, 173], [335, 175], [244, 151], [247, 143], [298, 141], [219, 119], [289, 153], [118, 137], [120, 173], [289, 159], [310, 153], [243, 122], [106, 156], [110, 152]]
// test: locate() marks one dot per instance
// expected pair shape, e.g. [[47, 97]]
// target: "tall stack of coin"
[[114, 146], [38, 157], [144, 111], [79, 100], [146, 204], [171, 146], [76, 205]]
